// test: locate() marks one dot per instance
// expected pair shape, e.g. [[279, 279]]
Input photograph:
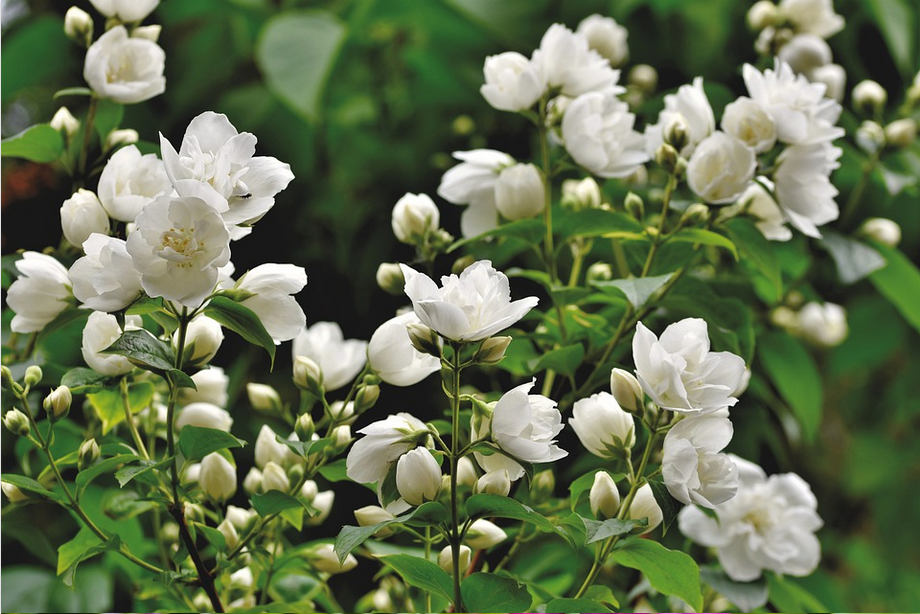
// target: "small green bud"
[[676, 132], [263, 397], [492, 350], [667, 157], [308, 375], [390, 278], [634, 205], [33, 375], [366, 397], [424, 339], [599, 271], [16, 422], [88, 454], [644, 77], [295, 473], [869, 96], [57, 404], [304, 427], [697, 213], [543, 485]]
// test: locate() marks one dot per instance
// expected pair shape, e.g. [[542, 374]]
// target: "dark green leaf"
[[350, 537], [756, 250], [787, 596], [38, 143], [30, 485], [334, 471], [107, 465], [594, 223], [274, 502], [196, 442], [108, 117], [669, 506], [485, 592], [130, 472], [597, 530], [668, 571], [529, 230], [704, 237], [794, 373], [241, 320], [899, 282], [83, 380], [747, 596], [214, 537], [564, 360], [898, 22], [421, 573], [483, 505], [576, 605], [637, 290], [143, 350]]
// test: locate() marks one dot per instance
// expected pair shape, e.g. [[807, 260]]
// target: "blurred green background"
[[366, 99]]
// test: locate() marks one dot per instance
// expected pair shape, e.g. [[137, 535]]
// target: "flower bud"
[[87, 454], [492, 350], [446, 559], [309, 490], [644, 506], [634, 205], [675, 131], [322, 502], [901, 132], [308, 375], [494, 483], [602, 426], [263, 397], [82, 215], [366, 397], [466, 472], [326, 560], [543, 484], [217, 477], [13, 493], [762, 14], [240, 517], [484, 534], [34, 375], [390, 278], [626, 389], [414, 217], [202, 340], [643, 77], [604, 496], [16, 422], [578, 195], [7, 376], [834, 78], [274, 478], [231, 537], [57, 404], [870, 136], [882, 230], [64, 121], [370, 515], [519, 192], [78, 25], [151, 33], [241, 578], [341, 437], [423, 339], [418, 476], [117, 138], [869, 96], [697, 213], [252, 483], [169, 533], [461, 263], [201, 602], [304, 427]]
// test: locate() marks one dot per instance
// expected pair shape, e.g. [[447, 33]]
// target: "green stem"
[[656, 240], [454, 459], [87, 133], [549, 252], [856, 195], [428, 558], [129, 419]]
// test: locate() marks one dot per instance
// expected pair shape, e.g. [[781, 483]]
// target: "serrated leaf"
[[38, 143], [129, 473], [83, 546], [421, 573], [241, 320], [196, 442], [669, 571]]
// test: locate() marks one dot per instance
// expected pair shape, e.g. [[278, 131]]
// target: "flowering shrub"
[[636, 275]]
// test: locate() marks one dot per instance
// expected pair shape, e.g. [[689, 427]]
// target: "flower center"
[[179, 245]]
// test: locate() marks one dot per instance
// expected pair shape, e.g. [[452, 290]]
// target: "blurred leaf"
[[593, 223], [704, 237], [108, 117], [748, 596], [899, 282], [110, 406], [757, 250], [637, 290], [73, 91], [854, 259], [38, 143], [575, 605], [296, 52], [26, 589], [788, 596], [273, 502], [196, 442], [121, 504], [241, 320], [421, 573], [896, 20], [669, 571], [485, 592], [529, 230], [37, 53], [85, 545], [794, 373], [564, 360]]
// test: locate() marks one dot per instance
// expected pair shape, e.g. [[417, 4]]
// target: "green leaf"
[[196, 442], [85, 545], [564, 360], [597, 530], [350, 537], [107, 465], [296, 52], [126, 474], [601, 594], [637, 290], [274, 502], [899, 282], [529, 230], [756, 250], [795, 375], [668, 571], [144, 350], [214, 537], [108, 117], [705, 237], [747, 596], [483, 505], [334, 471], [486, 592], [109, 405], [83, 380], [897, 21], [788, 596], [30, 485], [575, 605], [421, 573], [38, 143], [854, 259], [73, 91], [669, 506], [594, 223], [241, 320]]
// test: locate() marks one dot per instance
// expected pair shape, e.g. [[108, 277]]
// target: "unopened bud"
[[263, 397], [390, 278], [193, 511], [151, 33], [169, 533], [461, 263], [304, 427], [370, 515], [869, 96], [308, 375], [125, 136], [604, 496], [252, 483], [16, 422], [423, 339], [870, 136], [466, 472], [581, 194], [634, 205], [78, 25], [88, 454], [33, 376], [761, 15], [446, 559], [901, 132], [697, 213], [341, 437], [666, 156], [644, 77], [231, 537], [494, 483], [599, 271], [652, 231], [543, 484], [57, 404], [882, 230], [295, 473], [626, 389], [675, 131], [483, 534], [366, 397], [7, 376], [492, 350], [64, 121], [275, 478], [644, 506], [13, 493]]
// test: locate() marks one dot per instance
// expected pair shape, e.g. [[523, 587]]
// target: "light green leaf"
[[85, 545], [668, 571], [196, 442], [788, 596], [756, 250], [109, 405], [637, 290], [575, 605], [597, 530], [564, 360], [241, 320], [421, 573], [38, 143], [899, 282], [485, 592], [483, 505], [350, 537], [794, 373], [705, 237], [296, 51], [28, 484]]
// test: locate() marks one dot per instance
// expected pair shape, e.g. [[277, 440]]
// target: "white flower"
[[82, 215], [805, 52], [213, 152], [226, 528], [823, 324], [606, 37], [627, 390], [721, 168], [210, 387], [812, 16], [679, 372], [414, 217], [768, 524], [125, 136], [274, 478], [130, 181], [127, 70], [206, 415], [269, 450], [393, 357], [78, 25], [883, 230], [472, 182], [759, 204], [274, 286], [101, 331], [602, 426], [484, 534], [340, 360], [692, 468], [383, 443], [39, 294], [834, 78], [471, 307], [241, 578], [217, 477], [748, 122], [799, 109], [513, 83], [125, 10], [604, 497], [240, 517], [326, 560], [178, 247], [645, 506], [598, 132], [519, 192], [569, 64], [803, 187], [105, 278], [418, 476], [263, 397], [692, 106]]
